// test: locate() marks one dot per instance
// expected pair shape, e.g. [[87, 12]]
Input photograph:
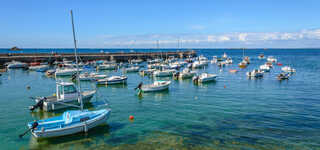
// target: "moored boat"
[[288, 69], [66, 71], [204, 77], [132, 69], [255, 73], [261, 56], [16, 64], [107, 67], [113, 80], [164, 73], [155, 86], [66, 93], [242, 64], [186, 73], [283, 76], [271, 59], [40, 68], [265, 68], [70, 122], [147, 72]]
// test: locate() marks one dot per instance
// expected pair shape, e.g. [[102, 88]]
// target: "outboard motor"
[[195, 79], [39, 104], [176, 75]]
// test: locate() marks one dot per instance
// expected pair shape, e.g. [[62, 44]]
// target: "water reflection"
[[122, 85], [158, 96]]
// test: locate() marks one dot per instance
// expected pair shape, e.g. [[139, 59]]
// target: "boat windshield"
[[69, 89]]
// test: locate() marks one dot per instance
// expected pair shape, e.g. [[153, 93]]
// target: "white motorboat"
[[199, 64], [40, 68], [136, 61], [156, 66], [66, 71], [66, 93], [228, 60], [155, 86], [17, 64], [174, 66], [203, 60], [261, 56], [186, 73], [265, 68], [164, 73], [247, 59], [154, 61], [132, 69], [113, 80], [107, 67], [91, 76], [255, 73], [288, 69], [271, 59], [147, 72], [204, 77], [214, 60]]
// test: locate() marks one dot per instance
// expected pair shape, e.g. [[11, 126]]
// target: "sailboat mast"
[[242, 52], [75, 54]]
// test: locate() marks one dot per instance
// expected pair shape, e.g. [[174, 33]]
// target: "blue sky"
[[139, 23]]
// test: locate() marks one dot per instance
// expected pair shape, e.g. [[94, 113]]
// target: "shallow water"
[[233, 113]]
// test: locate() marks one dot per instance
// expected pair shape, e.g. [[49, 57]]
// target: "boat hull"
[[78, 128], [112, 82], [162, 88], [207, 79]]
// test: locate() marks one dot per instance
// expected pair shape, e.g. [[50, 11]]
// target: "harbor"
[[159, 75], [187, 113]]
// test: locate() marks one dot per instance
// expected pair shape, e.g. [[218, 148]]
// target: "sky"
[[174, 23]]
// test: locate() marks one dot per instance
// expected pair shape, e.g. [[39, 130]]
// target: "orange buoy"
[[131, 117], [225, 86]]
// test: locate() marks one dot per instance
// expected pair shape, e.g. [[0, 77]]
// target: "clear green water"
[[232, 113]]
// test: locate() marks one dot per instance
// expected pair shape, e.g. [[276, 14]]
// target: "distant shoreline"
[[160, 48]]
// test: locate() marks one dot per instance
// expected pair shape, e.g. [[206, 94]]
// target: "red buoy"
[[131, 117], [225, 86], [279, 64]]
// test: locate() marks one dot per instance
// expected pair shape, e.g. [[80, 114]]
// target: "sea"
[[233, 113]]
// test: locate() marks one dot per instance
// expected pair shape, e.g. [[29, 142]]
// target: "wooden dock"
[[119, 57]]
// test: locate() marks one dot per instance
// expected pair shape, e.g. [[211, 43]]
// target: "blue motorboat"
[[71, 122]]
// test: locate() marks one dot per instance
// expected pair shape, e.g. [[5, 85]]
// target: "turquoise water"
[[232, 113]]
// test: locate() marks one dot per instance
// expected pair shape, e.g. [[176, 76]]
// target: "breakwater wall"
[[119, 57]]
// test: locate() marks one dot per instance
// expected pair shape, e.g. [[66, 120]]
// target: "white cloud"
[[243, 36], [303, 38]]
